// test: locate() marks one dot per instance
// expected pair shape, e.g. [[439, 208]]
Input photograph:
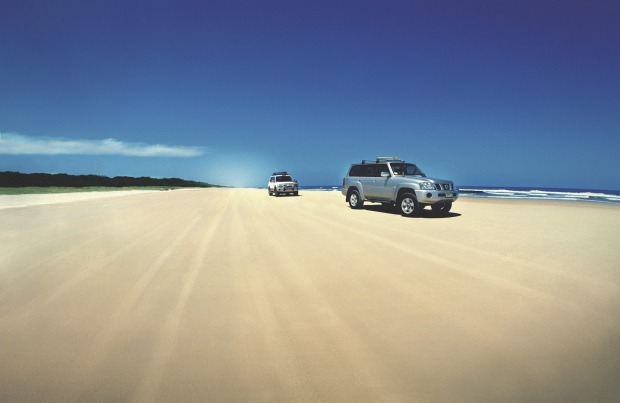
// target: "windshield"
[[406, 169], [283, 178]]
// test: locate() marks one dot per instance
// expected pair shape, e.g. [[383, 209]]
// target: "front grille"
[[446, 186], [437, 186]]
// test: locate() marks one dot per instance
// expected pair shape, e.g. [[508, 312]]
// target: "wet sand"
[[232, 295]]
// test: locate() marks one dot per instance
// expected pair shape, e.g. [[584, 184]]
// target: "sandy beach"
[[232, 295], [24, 200]]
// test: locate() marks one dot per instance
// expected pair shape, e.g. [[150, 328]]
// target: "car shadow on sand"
[[425, 213]]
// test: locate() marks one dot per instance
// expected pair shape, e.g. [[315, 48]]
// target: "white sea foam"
[[540, 194]]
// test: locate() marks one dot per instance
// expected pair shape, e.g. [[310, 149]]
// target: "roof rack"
[[382, 159], [387, 159], [280, 173]]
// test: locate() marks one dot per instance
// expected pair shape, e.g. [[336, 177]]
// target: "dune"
[[233, 295]]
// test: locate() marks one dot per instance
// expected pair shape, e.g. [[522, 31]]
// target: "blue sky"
[[495, 92]]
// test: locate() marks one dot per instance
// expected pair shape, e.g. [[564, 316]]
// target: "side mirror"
[[385, 174]]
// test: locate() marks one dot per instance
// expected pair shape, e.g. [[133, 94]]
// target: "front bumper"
[[436, 196]]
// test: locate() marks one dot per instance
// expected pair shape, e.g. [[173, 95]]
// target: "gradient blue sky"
[[485, 92]]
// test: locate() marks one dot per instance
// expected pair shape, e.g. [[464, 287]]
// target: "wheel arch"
[[403, 190]]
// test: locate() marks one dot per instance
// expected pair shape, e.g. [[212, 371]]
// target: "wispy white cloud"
[[17, 144]]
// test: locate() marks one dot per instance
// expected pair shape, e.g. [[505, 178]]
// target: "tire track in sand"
[[102, 344], [153, 374]]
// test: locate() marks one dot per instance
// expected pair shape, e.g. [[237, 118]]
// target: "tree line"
[[18, 179]]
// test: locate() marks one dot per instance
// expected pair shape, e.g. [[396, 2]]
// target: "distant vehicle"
[[392, 181], [282, 183]]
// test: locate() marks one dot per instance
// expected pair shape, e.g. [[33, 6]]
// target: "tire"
[[408, 205], [295, 193], [269, 191], [442, 208], [355, 200], [275, 193]]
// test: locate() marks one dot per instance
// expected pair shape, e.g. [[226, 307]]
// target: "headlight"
[[427, 186]]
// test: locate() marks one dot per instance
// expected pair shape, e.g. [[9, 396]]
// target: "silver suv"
[[392, 181], [282, 183]]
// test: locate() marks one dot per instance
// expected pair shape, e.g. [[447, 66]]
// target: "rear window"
[[368, 170], [360, 170]]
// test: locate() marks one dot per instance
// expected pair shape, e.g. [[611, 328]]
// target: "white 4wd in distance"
[[392, 181], [282, 183]]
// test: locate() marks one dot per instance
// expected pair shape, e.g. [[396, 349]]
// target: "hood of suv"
[[418, 179]]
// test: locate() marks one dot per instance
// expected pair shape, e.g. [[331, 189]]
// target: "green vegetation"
[[19, 183]]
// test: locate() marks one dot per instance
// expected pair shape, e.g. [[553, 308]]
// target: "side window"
[[272, 179], [356, 170], [365, 170], [380, 168]]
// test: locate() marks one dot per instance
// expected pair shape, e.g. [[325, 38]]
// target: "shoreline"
[[27, 200]]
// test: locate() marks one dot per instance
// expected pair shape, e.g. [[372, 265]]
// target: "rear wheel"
[[408, 205], [355, 200], [442, 208]]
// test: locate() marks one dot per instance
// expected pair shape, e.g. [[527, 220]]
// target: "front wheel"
[[355, 200], [408, 205], [442, 208]]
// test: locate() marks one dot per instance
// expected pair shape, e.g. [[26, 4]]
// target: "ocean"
[[522, 193]]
